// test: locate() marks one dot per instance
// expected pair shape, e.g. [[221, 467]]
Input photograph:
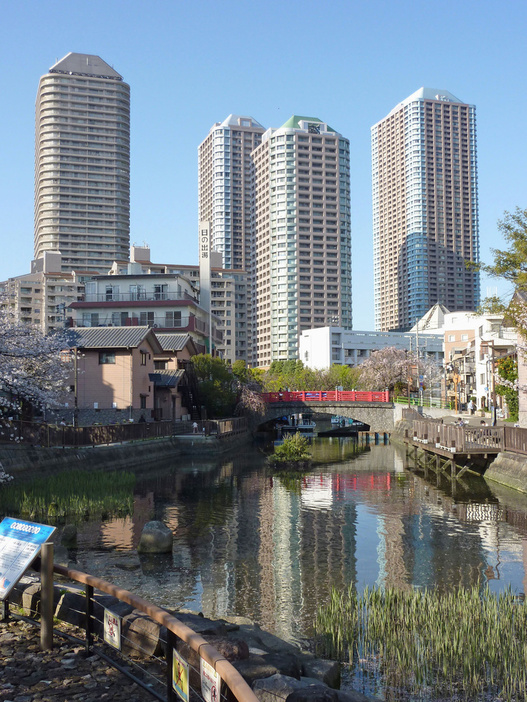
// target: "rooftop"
[[85, 65]]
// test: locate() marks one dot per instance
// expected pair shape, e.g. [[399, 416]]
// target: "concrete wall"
[[509, 469]]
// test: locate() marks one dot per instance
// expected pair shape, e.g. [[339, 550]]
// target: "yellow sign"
[[180, 675]]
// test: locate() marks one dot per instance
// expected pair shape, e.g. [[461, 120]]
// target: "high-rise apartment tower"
[[303, 235], [226, 200], [425, 208], [82, 164]]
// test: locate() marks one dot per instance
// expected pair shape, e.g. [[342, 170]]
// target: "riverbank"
[[273, 668], [29, 461]]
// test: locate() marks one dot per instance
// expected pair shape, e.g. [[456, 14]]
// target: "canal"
[[269, 547]]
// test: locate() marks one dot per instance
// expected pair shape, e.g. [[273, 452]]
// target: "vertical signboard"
[[210, 682], [112, 629], [205, 274], [180, 675]]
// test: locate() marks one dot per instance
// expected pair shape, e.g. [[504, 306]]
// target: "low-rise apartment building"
[[40, 298]]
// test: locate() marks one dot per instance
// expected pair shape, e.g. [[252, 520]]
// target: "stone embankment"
[[276, 670], [29, 461]]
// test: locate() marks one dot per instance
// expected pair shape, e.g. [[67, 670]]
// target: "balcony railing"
[[143, 296], [159, 321]]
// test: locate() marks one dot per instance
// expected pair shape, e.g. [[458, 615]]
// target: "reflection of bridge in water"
[[372, 408]]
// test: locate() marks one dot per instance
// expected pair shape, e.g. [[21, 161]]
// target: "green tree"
[[507, 383], [511, 263], [217, 385], [294, 449]]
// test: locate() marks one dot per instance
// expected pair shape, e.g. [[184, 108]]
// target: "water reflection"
[[270, 547]]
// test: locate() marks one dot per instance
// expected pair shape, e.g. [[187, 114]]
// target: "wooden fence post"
[[46, 580]]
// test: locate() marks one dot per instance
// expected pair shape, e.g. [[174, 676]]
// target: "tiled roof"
[[111, 337], [168, 379], [173, 342]]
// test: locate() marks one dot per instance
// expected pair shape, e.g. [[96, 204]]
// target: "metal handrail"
[[233, 679]]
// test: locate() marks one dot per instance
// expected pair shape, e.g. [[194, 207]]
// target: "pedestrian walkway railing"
[[470, 439], [149, 644], [51, 435]]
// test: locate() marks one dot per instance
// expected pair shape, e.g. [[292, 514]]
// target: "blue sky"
[[190, 64]]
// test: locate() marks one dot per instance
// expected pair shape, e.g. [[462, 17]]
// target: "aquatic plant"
[[81, 494], [464, 644], [293, 450]]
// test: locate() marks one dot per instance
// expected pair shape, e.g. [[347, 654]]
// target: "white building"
[[473, 345], [321, 348], [303, 234], [41, 298], [82, 164]]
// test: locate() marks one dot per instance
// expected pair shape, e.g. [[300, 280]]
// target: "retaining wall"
[[30, 461], [509, 469]]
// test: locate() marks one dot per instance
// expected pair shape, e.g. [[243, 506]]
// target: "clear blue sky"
[[190, 64]]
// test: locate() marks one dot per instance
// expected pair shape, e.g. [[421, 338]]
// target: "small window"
[[143, 401], [143, 358], [160, 365], [452, 337], [106, 357]]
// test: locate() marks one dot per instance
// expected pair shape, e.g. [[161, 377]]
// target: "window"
[[144, 356], [106, 357], [451, 337], [172, 319], [160, 365], [143, 401]]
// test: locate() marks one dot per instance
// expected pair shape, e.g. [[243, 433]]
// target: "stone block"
[[156, 537], [230, 648], [255, 668], [313, 693], [287, 663], [275, 687], [326, 671], [31, 600]]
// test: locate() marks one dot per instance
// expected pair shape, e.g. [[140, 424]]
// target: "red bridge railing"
[[326, 396]]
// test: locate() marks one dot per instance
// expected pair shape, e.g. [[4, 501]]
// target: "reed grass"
[[78, 494], [464, 644]]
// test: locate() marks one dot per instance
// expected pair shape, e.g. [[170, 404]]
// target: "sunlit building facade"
[[303, 235], [82, 164], [425, 209]]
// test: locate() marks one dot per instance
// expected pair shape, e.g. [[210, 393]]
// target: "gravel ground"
[[65, 673]]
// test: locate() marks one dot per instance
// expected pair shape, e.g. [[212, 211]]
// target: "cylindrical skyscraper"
[[82, 164]]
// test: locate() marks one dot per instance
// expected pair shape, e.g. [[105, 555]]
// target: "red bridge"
[[326, 396]]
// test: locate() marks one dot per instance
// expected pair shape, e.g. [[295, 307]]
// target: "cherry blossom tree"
[[34, 369], [386, 367]]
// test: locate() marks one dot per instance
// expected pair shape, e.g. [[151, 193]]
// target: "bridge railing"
[[326, 396]]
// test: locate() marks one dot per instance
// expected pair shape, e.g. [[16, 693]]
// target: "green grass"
[[464, 644], [75, 494]]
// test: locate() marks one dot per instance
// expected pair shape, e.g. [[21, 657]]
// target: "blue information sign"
[[20, 542]]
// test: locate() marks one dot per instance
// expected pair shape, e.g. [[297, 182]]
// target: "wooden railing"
[[470, 439], [326, 396]]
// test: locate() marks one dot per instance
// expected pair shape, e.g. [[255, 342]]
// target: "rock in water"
[[155, 538]]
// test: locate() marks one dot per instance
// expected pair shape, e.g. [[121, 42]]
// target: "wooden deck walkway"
[[454, 450]]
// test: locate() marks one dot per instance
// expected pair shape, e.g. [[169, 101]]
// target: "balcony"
[[143, 296]]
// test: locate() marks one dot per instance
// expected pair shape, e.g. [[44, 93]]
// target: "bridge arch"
[[379, 415]]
